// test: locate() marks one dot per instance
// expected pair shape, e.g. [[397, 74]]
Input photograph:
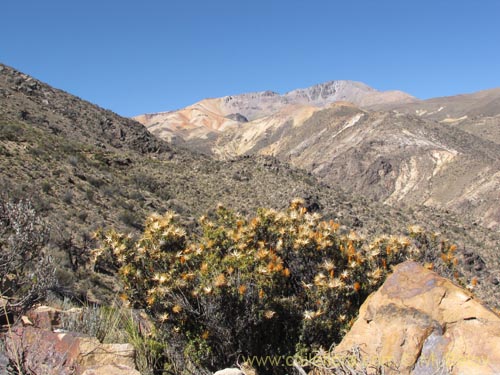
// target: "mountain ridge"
[[212, 115]]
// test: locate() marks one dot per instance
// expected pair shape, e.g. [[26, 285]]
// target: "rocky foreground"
[[417, 323]]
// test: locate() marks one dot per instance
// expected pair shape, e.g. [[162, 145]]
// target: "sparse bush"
[[73, 160], [276, 284], [46, 187], [68, 197], [27, 272], [78, 252], [102, 322], [131, 219]]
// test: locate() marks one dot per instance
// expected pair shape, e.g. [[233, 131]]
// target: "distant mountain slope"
[[211, 116], [484, 103], [477, 113], [395, 158]]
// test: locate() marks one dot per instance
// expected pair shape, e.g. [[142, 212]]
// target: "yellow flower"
[[328, 265], [319, 279], [335, 283], [308, 315], [268, 314], [177, 309], [376, 274], [262, 254], [297, 203], [164, 317]]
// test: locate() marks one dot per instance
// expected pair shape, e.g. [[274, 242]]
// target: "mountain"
[[442, 153], [210, 116], [477, 113], [86, 168]]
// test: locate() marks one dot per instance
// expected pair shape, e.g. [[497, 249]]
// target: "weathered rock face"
[[44, 351], [420, 322]]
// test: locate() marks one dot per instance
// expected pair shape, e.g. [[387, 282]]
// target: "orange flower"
[[286, 272], [204, 268], [334, 225], [261, 294], [388, 249], [220, 280], [357, 286], [242, 289]]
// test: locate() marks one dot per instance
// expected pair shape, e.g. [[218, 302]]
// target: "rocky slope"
[[477, 113], [392, 157]]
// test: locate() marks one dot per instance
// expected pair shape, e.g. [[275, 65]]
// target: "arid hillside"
[[85, 168]]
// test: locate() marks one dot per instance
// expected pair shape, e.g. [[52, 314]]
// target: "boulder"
[[63, 353], [418, 323], [44, 317]]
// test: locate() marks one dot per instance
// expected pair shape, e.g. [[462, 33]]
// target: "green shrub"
[[272, 285]]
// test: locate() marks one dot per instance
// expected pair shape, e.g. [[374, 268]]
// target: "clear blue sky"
[[152, 55]]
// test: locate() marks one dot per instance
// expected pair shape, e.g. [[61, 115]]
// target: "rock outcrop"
[[35, 346], [419, 322]]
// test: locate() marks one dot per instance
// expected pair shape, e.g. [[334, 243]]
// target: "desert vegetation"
[[278, 284], [27, 271]]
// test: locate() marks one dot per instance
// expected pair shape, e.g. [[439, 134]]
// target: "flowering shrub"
[[269, 285]]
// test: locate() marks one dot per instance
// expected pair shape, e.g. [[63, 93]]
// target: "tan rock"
[[93, 353], [47, 352], [26, 321], [420, 321], [111, 370]]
